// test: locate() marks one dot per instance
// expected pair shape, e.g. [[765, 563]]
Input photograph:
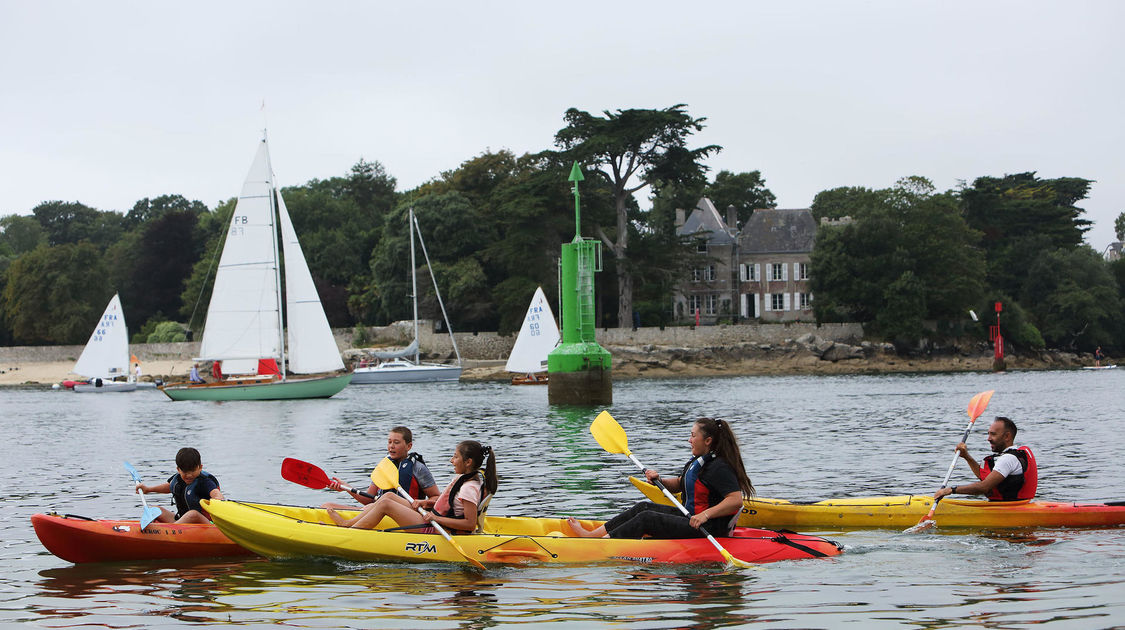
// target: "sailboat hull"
[[406, 372], [292, 389], [105, 388]]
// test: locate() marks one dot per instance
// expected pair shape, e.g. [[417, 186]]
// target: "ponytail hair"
[[481, 455], [724, 444]]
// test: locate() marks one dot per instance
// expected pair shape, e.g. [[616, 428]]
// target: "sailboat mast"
[[274, 218], [414, 285]]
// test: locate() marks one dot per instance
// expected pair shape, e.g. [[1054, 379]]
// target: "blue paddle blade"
[[149, 515], [133, 471]]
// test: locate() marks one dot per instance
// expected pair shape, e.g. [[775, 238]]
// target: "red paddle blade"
[[979, 403], [304, 473]]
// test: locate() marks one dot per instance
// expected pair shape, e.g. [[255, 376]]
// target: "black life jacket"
[[184, 494], [1014, 487]]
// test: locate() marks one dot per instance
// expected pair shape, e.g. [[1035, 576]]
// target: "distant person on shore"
[[456, 509], [194, 376], [1098, 356], [1009, 474], [713, 481], [138, 371], [413, 475], [190, 484]]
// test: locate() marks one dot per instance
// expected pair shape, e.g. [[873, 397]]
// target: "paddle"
[[385, 476], [311, 476], [613, 439], [149, 514], [976, 407]]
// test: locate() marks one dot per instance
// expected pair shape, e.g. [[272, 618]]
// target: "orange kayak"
[[79, 539]]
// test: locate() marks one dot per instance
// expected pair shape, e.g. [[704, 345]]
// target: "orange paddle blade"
[[979, 403]]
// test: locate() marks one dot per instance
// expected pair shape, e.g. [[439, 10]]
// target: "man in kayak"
[[1009, 474], [190, 484], [414, 476]]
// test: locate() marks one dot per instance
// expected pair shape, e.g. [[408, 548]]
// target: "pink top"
[[470, 491]]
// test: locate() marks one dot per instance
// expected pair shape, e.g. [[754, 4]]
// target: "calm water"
[[802, 437]]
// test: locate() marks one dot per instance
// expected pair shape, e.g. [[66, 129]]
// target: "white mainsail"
[[312, 348], [538, 336], [243, 320], [106, 354]]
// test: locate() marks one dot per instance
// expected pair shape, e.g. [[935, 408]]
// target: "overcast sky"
[[109, 102]]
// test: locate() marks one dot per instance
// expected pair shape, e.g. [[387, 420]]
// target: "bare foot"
[[577, 528], [336, 518]]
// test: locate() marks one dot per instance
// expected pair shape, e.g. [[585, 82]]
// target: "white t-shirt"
[[1008, 464]]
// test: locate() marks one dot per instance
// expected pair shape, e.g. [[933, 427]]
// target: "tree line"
[[911, 262]]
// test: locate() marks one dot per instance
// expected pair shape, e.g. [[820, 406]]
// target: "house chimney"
[[679, 217], [732, 217]]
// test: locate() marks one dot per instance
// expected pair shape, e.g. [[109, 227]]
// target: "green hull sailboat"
[[247, 320]]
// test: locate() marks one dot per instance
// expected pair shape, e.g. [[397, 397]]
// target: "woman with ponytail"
[[713, 481], [456, 509]]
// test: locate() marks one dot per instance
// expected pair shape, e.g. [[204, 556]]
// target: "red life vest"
[[1014, 487]]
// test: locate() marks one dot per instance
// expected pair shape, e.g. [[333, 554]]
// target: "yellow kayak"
[[281, 531], [900, 512]]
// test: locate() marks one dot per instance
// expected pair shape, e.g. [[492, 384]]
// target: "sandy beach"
[[51, 372], [630, 363]]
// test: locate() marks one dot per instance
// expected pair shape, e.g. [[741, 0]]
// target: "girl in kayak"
[[456, 509], [414, 476], [713, 482]]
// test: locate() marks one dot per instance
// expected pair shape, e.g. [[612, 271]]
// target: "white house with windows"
[[774, 249], [760, 271]]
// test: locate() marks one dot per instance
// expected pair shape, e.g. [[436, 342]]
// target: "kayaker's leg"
[[579, 530], [659, 521], [166, 516], [193, 516]]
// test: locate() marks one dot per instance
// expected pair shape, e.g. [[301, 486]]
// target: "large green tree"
[[630, 150], [907, 256], [1021, 217], [75, 222], [54, 295], [1073, 299], [747, 192], [20, 234]]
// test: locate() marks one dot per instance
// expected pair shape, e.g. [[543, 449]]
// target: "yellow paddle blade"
[[979, 403], [609, 434], [385, 475]]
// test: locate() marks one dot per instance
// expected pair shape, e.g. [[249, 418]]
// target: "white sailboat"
[[538, 336], [106, 355], [246, 319], [396, 367]]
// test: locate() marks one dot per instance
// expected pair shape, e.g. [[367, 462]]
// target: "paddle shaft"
[[722, 551], [440, 529], [949, 473]]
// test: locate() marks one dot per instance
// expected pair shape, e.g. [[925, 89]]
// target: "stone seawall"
[[489, 345]]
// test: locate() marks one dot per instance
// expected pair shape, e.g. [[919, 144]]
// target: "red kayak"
[[80, 539]]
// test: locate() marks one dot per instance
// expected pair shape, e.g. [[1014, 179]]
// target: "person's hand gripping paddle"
[[148, 514], [385, 476], [976, 407], [613, 439]]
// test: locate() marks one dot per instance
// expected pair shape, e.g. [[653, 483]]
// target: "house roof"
[[772, 231], [705, 218]]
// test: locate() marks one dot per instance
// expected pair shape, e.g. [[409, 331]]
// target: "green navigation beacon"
[[579, 369]]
